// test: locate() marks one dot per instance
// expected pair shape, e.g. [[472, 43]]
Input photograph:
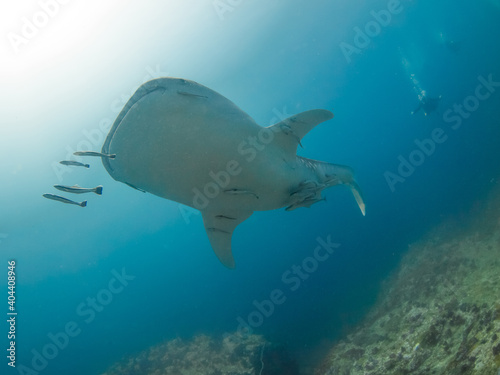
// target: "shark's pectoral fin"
[[219, 226], [290, 131]]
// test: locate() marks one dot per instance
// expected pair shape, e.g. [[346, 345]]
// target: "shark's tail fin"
[[345, 176], [334, 174], [98, 190], [83, 204], [356, 191]]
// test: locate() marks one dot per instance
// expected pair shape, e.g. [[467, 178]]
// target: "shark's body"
[[184, 142]]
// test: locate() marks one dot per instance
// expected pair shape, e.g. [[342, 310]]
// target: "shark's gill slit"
[[190, 94], [217, 230], [241, 192], [225, 217]]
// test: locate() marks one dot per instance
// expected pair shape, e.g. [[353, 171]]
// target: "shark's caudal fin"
[[345, 176], [98, 190], [334, 174], [356, 191]]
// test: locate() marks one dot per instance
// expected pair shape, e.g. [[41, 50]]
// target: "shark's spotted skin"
[[182, 141]]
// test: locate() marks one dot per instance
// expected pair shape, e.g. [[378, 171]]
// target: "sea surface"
[[131, 270]]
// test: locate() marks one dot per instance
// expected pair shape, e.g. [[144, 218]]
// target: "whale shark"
[[182, 141]]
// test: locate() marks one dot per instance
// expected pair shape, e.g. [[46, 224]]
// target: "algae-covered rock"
[[231, 355], [439, 313]]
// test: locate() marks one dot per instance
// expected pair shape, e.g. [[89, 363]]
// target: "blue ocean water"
[[67, 80]]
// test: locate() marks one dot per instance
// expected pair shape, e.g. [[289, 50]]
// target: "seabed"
[[439, 313]]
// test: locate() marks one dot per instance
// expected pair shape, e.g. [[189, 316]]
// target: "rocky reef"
[[439, 313], [231, 355]]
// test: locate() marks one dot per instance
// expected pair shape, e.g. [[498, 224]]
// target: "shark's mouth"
[[146, 89]]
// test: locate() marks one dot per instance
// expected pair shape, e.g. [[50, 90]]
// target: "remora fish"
[[74, 163], [93, 153], [305, 203], [64, 200], [79, 190]]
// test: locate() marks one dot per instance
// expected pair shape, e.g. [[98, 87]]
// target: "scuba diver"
[[427, 104]]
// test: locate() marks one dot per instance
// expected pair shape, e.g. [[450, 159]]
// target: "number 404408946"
[[12, 285]]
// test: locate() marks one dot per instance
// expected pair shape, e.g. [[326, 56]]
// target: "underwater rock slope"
[[440, 312], [232, 355]]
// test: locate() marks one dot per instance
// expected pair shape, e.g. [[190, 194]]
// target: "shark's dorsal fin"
[[290, 131]]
